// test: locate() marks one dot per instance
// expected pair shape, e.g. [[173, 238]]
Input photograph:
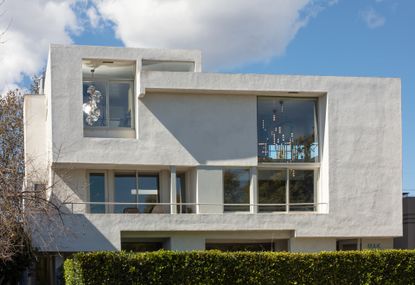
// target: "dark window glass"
[[287, 130], [125, 191], [120, 104], [141, 246], [236, 189], [272, 190], [277, 245], [97, 192], [181, 192], [301, 189]]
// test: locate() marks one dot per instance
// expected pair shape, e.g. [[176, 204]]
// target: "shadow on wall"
[[209, 127], [68, 232], [72, 233]]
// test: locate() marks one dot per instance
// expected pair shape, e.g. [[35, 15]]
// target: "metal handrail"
[[193, 204]]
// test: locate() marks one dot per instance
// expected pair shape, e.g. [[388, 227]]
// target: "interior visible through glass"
[[125, 186], [108, 93], [287, 130]]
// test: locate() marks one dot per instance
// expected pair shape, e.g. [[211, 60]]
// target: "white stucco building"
[[148, 151]]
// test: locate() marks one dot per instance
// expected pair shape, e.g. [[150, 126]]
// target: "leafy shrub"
[[214, 267]]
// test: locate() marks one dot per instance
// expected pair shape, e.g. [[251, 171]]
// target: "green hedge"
[[214, 267]]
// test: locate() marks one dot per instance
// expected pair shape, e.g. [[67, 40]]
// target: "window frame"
[[106, 190], [248, 210], [315, 169], [107, 82], [316, 122], [314, 166]]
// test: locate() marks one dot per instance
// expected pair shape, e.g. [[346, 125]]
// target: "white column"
[[173, 196], [253, 191]]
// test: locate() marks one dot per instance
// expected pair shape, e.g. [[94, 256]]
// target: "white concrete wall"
[[312, 244], [35, 139], [209, 190], [377, 243]]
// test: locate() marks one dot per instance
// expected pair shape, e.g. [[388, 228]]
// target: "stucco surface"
[[204, 120]]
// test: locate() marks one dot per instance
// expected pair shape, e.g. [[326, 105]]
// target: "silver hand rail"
[[136, 204]]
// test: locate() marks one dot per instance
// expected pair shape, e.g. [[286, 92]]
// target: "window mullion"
[[107, 110], [287, 191]]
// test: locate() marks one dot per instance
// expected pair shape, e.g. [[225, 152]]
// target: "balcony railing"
[[187, 208]]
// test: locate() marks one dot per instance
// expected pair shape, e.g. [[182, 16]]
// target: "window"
[[97, 192], [240, 245], [164, 65], [143, 244], [236, 189], [142, 191], [301, 188], [287, 133], [347, 244], [287, 130], [108, 94], [286, 190], [272, 187]]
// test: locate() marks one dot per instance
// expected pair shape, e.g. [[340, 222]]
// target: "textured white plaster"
[[204, 121]]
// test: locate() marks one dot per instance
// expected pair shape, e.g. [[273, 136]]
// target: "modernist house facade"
[[146, 151]]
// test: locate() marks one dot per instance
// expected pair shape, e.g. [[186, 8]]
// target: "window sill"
[[127, 133]]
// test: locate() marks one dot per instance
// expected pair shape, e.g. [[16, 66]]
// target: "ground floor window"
[[276, 245], [143, 244], [347, 244]]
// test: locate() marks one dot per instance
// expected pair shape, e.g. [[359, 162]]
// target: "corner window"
[[236, 184], [108, 94], [287, 130]]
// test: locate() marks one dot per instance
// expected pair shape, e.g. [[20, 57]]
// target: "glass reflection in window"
[[236, 189], [287, 130], [272, 190]]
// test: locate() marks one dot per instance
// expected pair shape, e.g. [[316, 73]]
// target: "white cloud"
[[230, 32], [372, 18], [93, 17], [32, 26]]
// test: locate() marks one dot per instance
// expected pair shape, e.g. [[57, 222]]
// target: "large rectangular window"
[[142, 191], [286, 190], [287, 130], [108, 94], [236, 189]]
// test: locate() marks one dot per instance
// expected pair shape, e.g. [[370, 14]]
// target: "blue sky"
[[310, 37]]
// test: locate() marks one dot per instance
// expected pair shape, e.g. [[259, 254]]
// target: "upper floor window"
[[167, 65], [287, 130], [236, 183], [108, 94]]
